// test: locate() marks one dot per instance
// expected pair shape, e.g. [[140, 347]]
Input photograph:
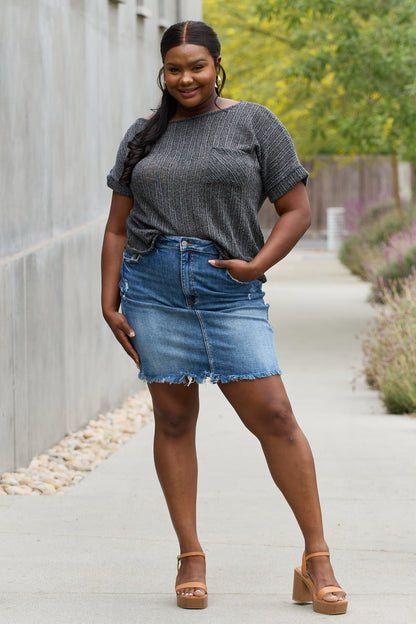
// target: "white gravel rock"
[[22, 490], [9, 481], [69, 461]]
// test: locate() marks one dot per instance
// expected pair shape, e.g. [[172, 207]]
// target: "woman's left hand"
[[239, 269], [294, 219]]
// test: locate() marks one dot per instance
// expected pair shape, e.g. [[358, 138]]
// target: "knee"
[[175, 421], [277, 419]]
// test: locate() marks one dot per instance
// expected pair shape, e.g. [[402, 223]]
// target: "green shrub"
[[378, 210], [352, 256], [390, 347], [361, 251], [392, 271], [382, 247], [380, 230]]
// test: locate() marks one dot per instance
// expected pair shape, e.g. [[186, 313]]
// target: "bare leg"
[[263, 406], [176, 411]]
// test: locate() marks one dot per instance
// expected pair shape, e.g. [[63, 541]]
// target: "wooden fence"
[[353, 184]]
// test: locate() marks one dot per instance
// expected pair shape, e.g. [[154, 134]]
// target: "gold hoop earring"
[[164, 85], [218, 81]]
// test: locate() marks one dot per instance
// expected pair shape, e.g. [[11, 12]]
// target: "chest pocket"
[[231, 166]]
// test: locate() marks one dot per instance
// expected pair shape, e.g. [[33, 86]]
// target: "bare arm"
[[295, 218], [115, 237]]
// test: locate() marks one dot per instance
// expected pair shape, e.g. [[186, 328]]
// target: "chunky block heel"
[[301, 592], [304, 590]]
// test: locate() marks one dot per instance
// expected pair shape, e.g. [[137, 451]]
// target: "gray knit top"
[[207, 177]]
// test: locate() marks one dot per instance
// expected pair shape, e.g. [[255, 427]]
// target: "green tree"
[[365, 51], [256, 55], [339, 73]]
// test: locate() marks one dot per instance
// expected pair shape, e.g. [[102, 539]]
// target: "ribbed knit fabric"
[[207, 177]]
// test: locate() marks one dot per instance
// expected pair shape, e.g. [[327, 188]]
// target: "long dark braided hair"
[[197, 33]]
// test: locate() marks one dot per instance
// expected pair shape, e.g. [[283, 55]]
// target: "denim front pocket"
[[234, 279], [255, 282], [252, 289], [130, 261]]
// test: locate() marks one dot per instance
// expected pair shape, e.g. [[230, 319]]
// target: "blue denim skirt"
[[194, 321]]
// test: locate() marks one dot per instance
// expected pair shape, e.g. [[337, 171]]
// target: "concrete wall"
[[74, 75]]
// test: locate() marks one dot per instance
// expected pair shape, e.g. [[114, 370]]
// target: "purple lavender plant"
[[398, 244]]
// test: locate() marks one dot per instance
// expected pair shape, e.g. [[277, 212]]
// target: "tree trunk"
[[395, 176]]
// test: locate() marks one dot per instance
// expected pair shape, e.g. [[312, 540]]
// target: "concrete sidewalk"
[[105, 552]]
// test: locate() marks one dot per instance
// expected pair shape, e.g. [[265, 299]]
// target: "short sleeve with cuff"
[[280, 166], [116, 172]]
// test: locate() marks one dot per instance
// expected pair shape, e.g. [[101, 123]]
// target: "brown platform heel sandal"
[[304, 590], [191, 602]]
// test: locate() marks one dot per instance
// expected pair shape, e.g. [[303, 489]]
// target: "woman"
[[184, 254]]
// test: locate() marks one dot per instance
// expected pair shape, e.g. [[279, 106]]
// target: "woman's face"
[[190, 75]]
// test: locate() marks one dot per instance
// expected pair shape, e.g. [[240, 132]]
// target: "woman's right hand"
[[111, 258], [123, 332]]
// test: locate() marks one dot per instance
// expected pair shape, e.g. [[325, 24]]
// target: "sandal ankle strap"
[[317, 554], [306, 557], [189, 554]]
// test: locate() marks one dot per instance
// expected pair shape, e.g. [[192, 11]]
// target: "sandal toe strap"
[[192, 585], [328, 590]]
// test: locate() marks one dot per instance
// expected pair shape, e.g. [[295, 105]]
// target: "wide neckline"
[[214, 112]]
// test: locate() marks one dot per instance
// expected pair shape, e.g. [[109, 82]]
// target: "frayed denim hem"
[[188, 379]]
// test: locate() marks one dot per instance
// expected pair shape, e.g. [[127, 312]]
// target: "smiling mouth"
[[188, 92]]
